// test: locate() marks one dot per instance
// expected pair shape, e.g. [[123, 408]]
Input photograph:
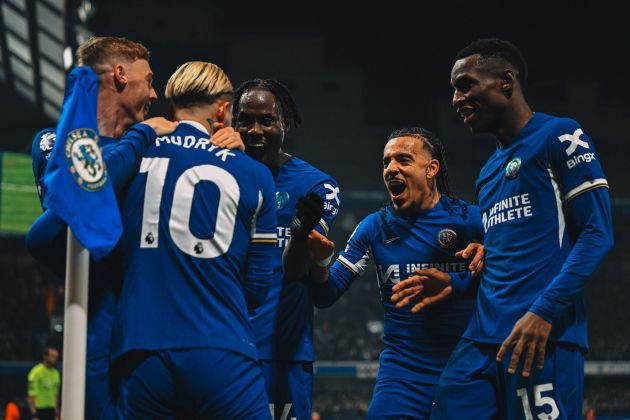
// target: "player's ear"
[[120, 76], [508, 80], [432, 169]]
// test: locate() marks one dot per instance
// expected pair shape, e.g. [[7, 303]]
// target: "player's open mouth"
[[256, 145], [468, 114], [396, 187]]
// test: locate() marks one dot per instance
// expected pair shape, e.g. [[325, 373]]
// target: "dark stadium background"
[[357, 72]]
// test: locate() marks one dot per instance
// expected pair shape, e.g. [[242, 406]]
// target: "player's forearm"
[[590, 212], [46, 242], [31, 404], [295, 260], [123, 159], [329, 284]]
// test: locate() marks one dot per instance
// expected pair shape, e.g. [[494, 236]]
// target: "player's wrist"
[[325, 262]]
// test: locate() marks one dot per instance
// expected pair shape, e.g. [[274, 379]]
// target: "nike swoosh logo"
[[390, 240]]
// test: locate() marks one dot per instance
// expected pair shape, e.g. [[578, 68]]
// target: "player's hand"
[[529, 334], [308, 212], [161, 125], [320, 248], [426, 287], [227, 138], [477, 252]]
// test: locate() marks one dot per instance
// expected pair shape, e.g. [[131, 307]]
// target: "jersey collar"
[[196, 124]]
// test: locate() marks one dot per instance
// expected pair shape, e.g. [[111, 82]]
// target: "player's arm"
[[296, 258], [124, 158], [590, 223], [430, 286], [264, 240], [322, 201], [329, 283], [46, 242]]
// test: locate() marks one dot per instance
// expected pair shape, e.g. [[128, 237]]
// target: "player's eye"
[[267, 120]]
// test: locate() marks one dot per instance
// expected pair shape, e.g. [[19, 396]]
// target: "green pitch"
[[19, 204]]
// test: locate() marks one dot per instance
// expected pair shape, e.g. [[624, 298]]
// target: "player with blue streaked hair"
[[416, 234], [264, 111], [546, 212], [199, 235]]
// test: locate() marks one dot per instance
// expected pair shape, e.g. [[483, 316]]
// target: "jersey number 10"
[[179, 222]]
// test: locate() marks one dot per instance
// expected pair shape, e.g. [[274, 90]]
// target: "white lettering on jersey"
[[284, 234], [511, 208], [575, 160], [197, 143], [449, 267], [392, 273], [334, 193], [332, 209], [575, 141]]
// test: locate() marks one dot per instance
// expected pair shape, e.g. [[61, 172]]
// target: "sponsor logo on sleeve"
[[575, 142]]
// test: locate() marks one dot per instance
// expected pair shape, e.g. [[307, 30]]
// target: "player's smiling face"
[[407, 168], [138, 94], [260, 124], [477, 97]]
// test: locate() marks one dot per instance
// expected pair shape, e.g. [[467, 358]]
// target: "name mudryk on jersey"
[[511, 208], [192, 142], [391, 273]]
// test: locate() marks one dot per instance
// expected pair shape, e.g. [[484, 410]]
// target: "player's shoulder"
[[308, 171], [44, 141], [556, 126]]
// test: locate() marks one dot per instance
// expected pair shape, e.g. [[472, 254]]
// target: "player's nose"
[[458, 98], [256, 129]]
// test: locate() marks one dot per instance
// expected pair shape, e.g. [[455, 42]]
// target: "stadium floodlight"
[[35, 54]]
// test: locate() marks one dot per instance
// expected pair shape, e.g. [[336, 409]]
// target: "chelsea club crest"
[[446, 238], [512, 168], [85, 160], [282, 199]]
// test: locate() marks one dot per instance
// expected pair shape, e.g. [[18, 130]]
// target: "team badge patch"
[[282, 199], [85, 160], [446, 238], [512, 168], [46, 143]]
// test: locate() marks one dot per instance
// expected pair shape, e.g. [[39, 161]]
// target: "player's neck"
[[203, 114], [429, 201], [513, 121], [112, 119]]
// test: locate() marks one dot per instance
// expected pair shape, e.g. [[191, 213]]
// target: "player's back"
[[189, 217]]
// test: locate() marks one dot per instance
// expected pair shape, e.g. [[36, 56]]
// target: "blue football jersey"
[[523, 191], [399, 246], [198, 244], [286, 317]]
